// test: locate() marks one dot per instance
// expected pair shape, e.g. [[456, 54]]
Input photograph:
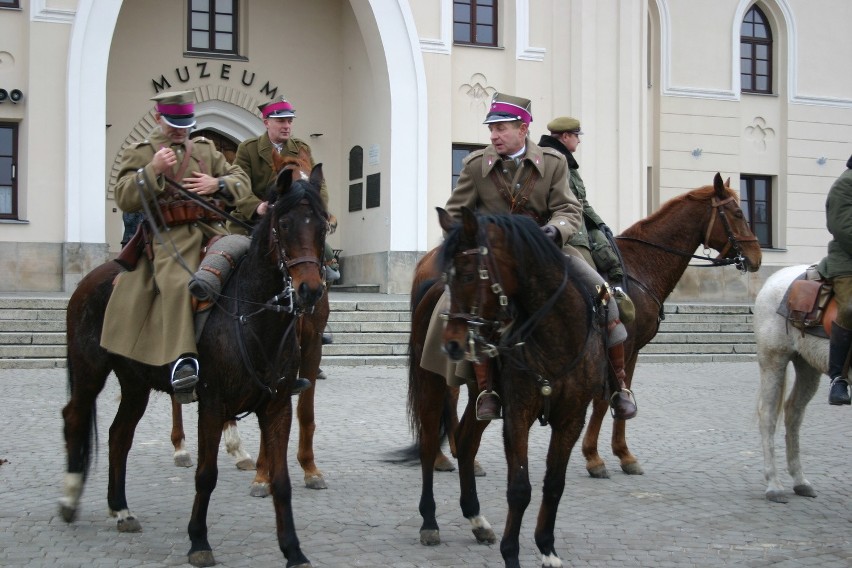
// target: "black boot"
[[488, 405], [300, 385], [841, 340], [184, 378]]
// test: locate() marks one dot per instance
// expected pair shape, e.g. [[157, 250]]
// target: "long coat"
[[254, 156], [838, 213], [149, 316], [537, 186]]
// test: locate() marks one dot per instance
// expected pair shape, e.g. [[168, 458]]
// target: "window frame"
[[211, 31], [14, 127], [459, 148], [473, 7], [748, 203], [754, 43], [10, 4]]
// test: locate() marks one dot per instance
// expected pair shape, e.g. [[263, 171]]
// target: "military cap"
[[176, 107], [506, 108], [277, 109], [565, 124]]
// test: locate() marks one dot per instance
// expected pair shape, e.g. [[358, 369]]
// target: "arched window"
[[755, 53]]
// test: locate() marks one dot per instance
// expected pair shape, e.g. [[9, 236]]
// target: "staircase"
[[372, 329]]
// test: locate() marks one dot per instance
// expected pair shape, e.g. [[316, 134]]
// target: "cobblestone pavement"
[[700, 502]]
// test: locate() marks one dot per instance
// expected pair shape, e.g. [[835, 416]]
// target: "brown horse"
[[656, 252], [310, 328], [249, 356], [510, 291]]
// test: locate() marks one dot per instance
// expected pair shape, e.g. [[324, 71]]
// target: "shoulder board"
[[474, 155], [551, 151], [203, 140], [145, 142]]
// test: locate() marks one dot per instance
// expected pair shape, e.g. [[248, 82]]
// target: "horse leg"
[[206, 474], [518, 490], [451, 426], [181, 456], [629, 463], [773, 374], [431, 390], [275, 422], [804, 389], [562, 439], [311, 344], [594, 462], [234, 446], [260, 484], [134, 401], [80, 424], [468, 437]]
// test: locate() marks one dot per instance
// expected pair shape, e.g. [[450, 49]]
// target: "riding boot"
[[841, 340], [184, 378], [622, 402], [300, 385], [488, 404]]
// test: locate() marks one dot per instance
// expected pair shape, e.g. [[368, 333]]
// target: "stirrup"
[[476, 406], [184, 378], [630, 398]]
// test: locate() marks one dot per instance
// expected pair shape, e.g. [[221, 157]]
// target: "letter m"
[[162, 85]]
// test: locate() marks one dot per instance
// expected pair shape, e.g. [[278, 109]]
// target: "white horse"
[[778, 345]]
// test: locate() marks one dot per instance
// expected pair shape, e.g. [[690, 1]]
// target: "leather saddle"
[[809, 304]]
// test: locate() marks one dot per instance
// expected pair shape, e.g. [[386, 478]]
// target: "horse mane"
[[704, 193], [300, 190]]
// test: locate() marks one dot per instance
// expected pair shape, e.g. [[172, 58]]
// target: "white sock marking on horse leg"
[[122, 515], [551, 561], [234, 444], [72, 488], [480, 522]]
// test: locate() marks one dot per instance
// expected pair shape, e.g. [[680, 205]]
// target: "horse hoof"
[[443, 463], [246, 464], [430, 537], [68, 514], [183, 460], [805, 490], [315, 482], [478, 470], [129, 525], [484, 535], [202, 558], [632, 469], [776, 496], [259, 490], [598, 472]]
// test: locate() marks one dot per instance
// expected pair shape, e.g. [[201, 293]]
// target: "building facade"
[[391, 93]]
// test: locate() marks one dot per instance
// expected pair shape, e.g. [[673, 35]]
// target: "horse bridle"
[[733, 241]]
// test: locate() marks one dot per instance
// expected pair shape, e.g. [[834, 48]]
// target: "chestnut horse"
[[511, 290], [310, 331], [248, 353], [656, 251]]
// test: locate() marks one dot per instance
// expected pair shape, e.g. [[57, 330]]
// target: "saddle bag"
[[807, 302]]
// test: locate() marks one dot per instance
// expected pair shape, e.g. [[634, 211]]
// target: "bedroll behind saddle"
[[809, 303]]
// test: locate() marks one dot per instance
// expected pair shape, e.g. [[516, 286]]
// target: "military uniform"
[[149, 316]]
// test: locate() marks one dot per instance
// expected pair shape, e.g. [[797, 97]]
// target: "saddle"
[[809, 304]]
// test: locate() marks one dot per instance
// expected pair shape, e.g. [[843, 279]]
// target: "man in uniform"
[[514, 175], [838, 267], [149, 316]]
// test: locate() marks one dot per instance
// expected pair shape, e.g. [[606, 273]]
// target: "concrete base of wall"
[[47, 267]]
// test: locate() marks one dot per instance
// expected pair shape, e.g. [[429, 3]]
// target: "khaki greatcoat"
[[149, 316]]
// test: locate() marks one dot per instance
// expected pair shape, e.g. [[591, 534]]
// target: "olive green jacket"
[[838, 213], [149, 316]]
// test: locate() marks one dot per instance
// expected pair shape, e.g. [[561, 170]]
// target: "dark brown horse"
[[656, 252], [249, 357], [310, 327], [511, 294]]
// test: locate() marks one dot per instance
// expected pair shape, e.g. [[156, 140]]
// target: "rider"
[[514, 175], [149, 316], [838, 267]]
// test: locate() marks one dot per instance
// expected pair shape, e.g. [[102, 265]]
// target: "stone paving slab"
[[699, 504]]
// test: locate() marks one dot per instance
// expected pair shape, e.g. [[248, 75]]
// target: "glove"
[[606, 230], [551, 233]]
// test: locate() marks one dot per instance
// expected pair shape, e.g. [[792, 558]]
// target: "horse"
[[248, 353], [656, 251], [778, 345], [313, 324], [510, 291]]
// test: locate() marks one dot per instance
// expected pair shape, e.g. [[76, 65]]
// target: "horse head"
[[731, 236], [297, 227]]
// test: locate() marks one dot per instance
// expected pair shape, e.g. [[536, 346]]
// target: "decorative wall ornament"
[[478, 91], [759, 133]]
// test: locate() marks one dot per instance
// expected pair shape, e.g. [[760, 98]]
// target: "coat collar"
[[534, 156], [548, 141]]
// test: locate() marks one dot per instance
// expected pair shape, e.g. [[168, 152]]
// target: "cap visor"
[[179, 122], [490, 119], [282, 114]]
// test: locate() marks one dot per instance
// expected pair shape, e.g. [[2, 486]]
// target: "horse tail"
[[89, 439]]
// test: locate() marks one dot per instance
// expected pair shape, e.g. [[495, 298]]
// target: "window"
[[756, 203], [212, 26], [460, 152], [755, 53], [475, 22], [8, 173], [10, 4]]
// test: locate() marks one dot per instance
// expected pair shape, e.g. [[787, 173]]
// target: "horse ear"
[[447, 222], [470, 226], [721, 192], [316, 175], [728, 182], [284, 181]]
